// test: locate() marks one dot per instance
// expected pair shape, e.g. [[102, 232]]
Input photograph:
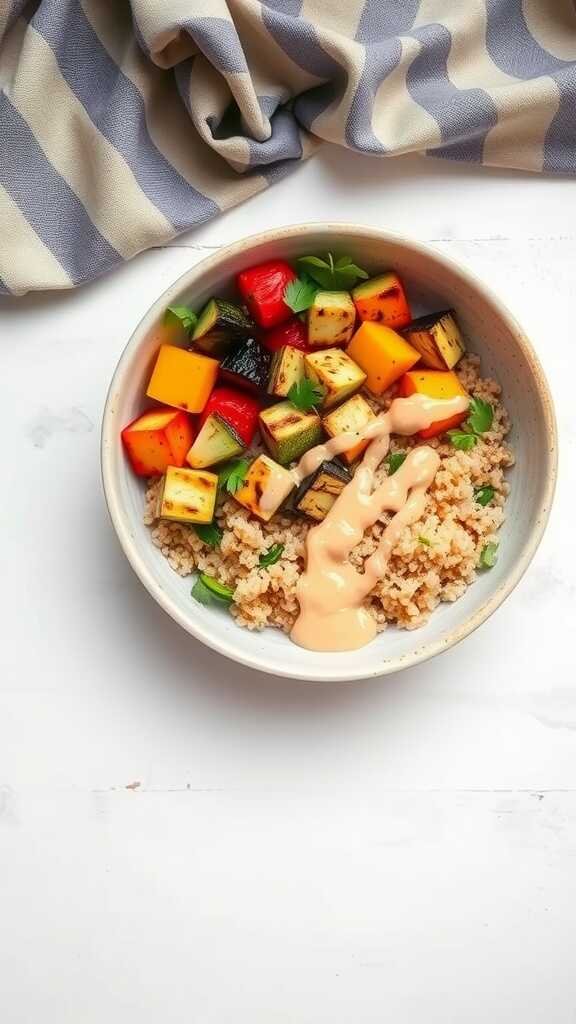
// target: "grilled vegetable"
[[331, 319], [438, 339], [383, 300], [288, 432], [264, 488], [350, 418], [293, 333], [237, 409], [336, 373], [287, 369], [219, 324], [158, 439], [383, 355], [183, 379], [435, 384], [216, 442], [248, 365], [262, 289], [318, 492], [187, 496]]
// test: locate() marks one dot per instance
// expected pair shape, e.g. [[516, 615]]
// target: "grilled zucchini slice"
[[216, 442], [219, 324], [318, 492], [288, 432], [437, 338], [350, 418], [264, 488], [336, 373], [331, 319], [287, 369], [187, 496]]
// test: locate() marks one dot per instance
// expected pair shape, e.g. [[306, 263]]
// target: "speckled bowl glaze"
[[433, 282]]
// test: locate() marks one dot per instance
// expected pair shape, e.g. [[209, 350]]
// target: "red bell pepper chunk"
[[262, 289], [239, 410], [293, 333]]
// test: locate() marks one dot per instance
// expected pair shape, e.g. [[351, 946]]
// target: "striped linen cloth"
[[125, 122]]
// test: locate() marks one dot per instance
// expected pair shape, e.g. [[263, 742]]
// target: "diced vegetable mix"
[[295, 340]]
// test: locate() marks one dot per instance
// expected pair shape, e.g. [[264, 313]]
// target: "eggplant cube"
[[331, 319], [336, 373], [437, 338], [264, 488], [350, 418], [288, 432], [247, 366], [318, 492], [187, 496], [287, 369]]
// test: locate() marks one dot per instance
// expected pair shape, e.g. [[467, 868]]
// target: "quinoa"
[[434, 560]]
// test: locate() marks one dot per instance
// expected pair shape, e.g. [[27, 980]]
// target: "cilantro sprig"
[[306, 394], [233, 474], [333, 275], [271, 556], [480, 419], [181, 316], [393, 461], [209, 533], [483, 495], [300, 293]]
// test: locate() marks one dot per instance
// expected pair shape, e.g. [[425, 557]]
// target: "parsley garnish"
[[299, 294], [180, 316], [210, 534], [305, 394], [271, 556], [394, 461], [424, 540], [331, 274], [232, 475], [483, 495], [488, 556], [207, 591], [480, 417], [462, 440]]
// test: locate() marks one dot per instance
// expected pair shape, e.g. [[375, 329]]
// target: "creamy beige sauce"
[[277, 487], [331, 592]]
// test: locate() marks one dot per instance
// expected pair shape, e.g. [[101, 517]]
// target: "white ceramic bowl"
[[433, 282]]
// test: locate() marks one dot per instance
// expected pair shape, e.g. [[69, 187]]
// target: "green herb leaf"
[[341, 274], [305, 394], [424, 540], [299, 294], [461, 440], [209, 533], [480, 416], [207, 590], [232, 474], [180, 316], [271, 556], [488, 556], [394, 461], [483, 495]]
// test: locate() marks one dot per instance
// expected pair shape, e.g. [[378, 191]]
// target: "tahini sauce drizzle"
[[331, 592]]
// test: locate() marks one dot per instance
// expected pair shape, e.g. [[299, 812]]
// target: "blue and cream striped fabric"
[[125, 122]]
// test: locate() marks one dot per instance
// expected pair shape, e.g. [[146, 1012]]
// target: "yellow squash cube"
[[383, 355], [182, 379]]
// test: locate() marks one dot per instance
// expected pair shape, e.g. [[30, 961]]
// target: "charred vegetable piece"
[[216, 442], [158, 439], [318, 492], [383, 354], [219, 324], [248, 365], [435, 384], [383, 301], [288, 432], [187, 496], [331, 319], [287, 369], [183, 379], [237, 409], [350, 418], [336, 373], [293, 332], [262, 289], [437, 338], [265, 486]]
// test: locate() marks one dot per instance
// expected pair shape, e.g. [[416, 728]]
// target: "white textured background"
[[185, 842]]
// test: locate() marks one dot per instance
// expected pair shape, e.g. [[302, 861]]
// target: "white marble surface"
[[187, 842]]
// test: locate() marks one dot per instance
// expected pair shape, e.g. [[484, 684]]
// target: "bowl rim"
[[119, 515]]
